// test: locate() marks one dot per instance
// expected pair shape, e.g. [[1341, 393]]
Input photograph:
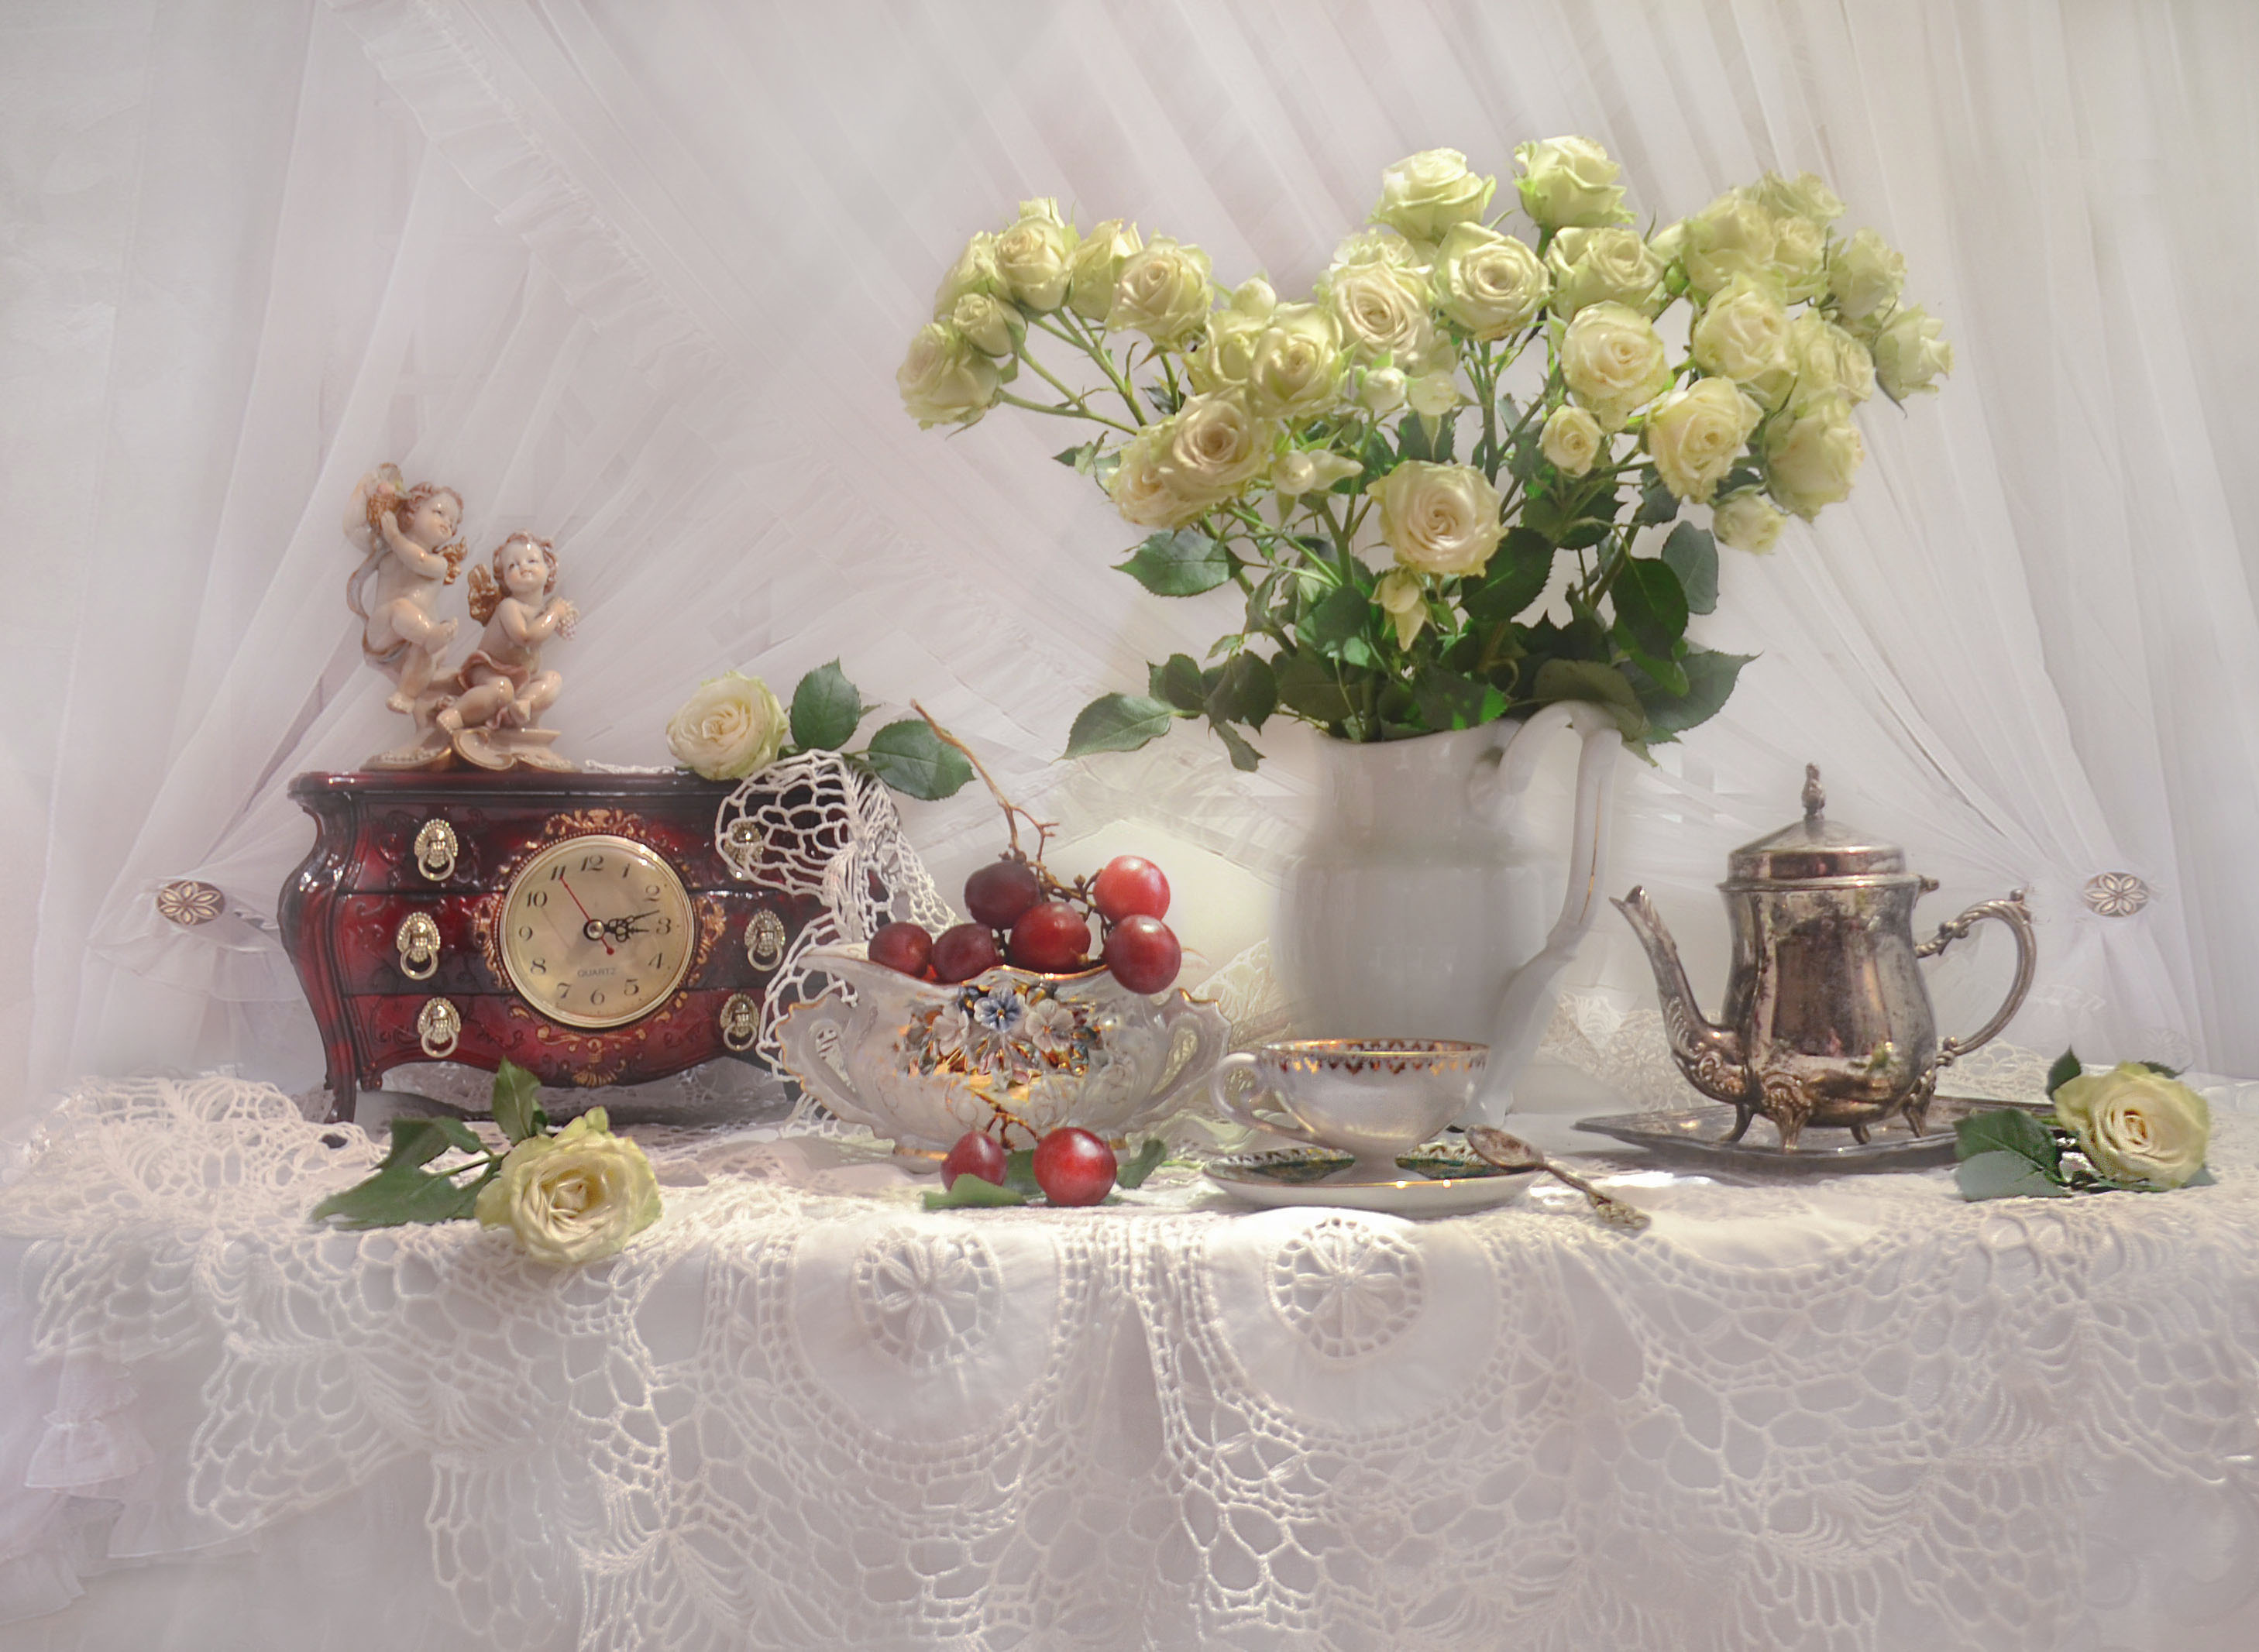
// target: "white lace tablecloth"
[[801, 1412]]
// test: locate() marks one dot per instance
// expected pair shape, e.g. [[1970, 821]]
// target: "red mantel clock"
[[582, 925]]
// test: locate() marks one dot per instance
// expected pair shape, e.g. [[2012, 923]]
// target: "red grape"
[[1052, 939], [1130, 886], [906, 947], [1000, 893], [961, 953], [1144, 954], [1074, 1167], [975, 1153]]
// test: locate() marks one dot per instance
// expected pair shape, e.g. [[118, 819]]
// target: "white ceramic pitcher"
[[1418, 908]]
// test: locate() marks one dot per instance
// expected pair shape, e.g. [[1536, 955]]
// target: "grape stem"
[[1013, 812]]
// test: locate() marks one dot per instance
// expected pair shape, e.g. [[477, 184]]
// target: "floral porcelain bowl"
[[922, 1062]]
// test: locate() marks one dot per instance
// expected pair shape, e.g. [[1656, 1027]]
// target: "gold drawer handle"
[[417, 942], [440, 1024], [435, 849], [765, 940], [741, 1023]]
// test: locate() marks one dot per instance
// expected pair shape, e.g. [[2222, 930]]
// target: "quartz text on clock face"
[[598, 931]]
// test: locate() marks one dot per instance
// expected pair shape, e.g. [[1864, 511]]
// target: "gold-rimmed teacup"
[[1370, 1098]]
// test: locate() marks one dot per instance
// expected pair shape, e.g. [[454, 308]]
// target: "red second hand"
[[585, 913]]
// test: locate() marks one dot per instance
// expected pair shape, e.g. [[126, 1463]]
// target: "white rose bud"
[[1310, 470], [1569, 184], [1695, 436], [1378, 247], [1216, 446], [1732, 239], [1799, 259], [1597, 266], [577, 1196], [1382, 311], [1403, 596], [1804, 196], [1423, 195], [975, 270], [1253, 296], [944, 380], [1296, 366], [992, 326], [1491, 284], [1382, 392], [1095, 265], [1812, 459], [1163, 292], [1747, 522], [1142, 486], [1911, 354], [730, 727], [1032, 256], [2136, 1126], [1865, 274], [1614, 362], [1571, 440], [1741, 334], [1439, 518], [1432, 394]]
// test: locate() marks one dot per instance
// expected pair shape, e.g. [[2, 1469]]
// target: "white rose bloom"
[[1310, 470], [944, 380], [1142, 486], [1614, 362], [1295, 369], [1695, 436], [1799, 259], [1747, 522], [1731, 239], [1569, 182], [1382, 391], [1432, 394], [1403, 597], [1741, 334], [1596, 267], [1382, 311], [1032, 256], [1491, 284], [1571, 440], [1095, 266], [1423, 195], [1824, 361], [1163, 292], [1439, 518], [1223, 361], [975, 270], [1910, 353], [990, 325], [1866, 274], [2135, 1125], [1378, 247], [1215, 447], [577, 1196], [730, 727], [1803, 196], [1812, 459]]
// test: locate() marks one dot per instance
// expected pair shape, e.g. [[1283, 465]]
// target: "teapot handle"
[[1520, 1022], [2013, 912]]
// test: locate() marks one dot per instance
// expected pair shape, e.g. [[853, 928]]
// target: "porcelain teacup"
[[1370, 1098]]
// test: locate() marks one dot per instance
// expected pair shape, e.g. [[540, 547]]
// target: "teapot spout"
[[1710, 1056]]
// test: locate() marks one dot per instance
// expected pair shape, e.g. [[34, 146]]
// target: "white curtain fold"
[[637, 276]]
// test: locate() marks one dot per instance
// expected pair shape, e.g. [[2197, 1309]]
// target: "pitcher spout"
[[1710, 1056]]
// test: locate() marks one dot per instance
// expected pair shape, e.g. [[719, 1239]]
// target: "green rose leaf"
[[1337, 622], [1657, 504], [825, 708], [2008, 1130], [1588, 679], [1710, 679], [1692, 555], [1132, 1170], [1020, 1173], [517, 1110], [1309, 687], [402, 1191], [972, 1193], [2067, 1067], [2161, 1069], [2203, 1178], [1244, 758], [1448, 700], [912, 758], [2003, 1175], [1651, 605], [1245, 691], [1668, 675], [1178, 681], [1118, 723], [1080, 460], [1515, 579], [1180, 564]]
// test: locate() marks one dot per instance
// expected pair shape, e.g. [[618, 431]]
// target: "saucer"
[[1439, 1181]]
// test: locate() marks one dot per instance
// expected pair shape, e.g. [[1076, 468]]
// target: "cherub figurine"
[[412, 551], [500, 689]]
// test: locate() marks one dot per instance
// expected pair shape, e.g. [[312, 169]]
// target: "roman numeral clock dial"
[[598, 931]]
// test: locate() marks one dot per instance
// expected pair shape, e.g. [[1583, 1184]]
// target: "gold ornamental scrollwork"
[[741, 1023], [765, 940], [417, 942], [439, 1024], [436, 849]]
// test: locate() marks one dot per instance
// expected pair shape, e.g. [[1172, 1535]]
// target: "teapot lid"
[[1813, 847]]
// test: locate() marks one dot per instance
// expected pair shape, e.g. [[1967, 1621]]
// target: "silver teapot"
[[1827, 1019]]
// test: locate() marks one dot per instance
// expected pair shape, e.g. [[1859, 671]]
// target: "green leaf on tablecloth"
[[2203, 1178], [970, 1192], [2161, 1069], [2008, 1130], [825, 708], [1131, 1170], [516, 1111], [2067, 1067], [1020, 1173], [402, 1191], [915, 761], [1999, 1174]]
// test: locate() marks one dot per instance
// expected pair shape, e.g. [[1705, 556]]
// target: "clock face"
[[597, 932]]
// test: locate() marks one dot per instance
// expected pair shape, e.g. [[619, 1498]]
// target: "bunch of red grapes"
[[1024, 916]]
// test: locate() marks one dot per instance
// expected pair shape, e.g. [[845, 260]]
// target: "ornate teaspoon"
[[1511, 1152]]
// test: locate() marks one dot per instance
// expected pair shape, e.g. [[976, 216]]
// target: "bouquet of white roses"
[[1434, 525]]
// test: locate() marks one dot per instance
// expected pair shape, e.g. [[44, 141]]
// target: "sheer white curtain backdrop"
[[636, 275]]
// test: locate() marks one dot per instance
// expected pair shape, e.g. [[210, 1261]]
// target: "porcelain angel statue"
[[502, 688], [410, 551]]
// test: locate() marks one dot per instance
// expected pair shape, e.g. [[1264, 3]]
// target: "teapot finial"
[[1815, 799]]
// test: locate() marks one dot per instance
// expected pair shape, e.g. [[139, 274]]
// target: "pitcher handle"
[[2013, 912], [1520, 1022], [803, 1054]]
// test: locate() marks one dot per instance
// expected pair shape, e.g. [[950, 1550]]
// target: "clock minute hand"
[[592, 930]]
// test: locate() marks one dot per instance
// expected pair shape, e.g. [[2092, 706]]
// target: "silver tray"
[[1700, 1134]]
